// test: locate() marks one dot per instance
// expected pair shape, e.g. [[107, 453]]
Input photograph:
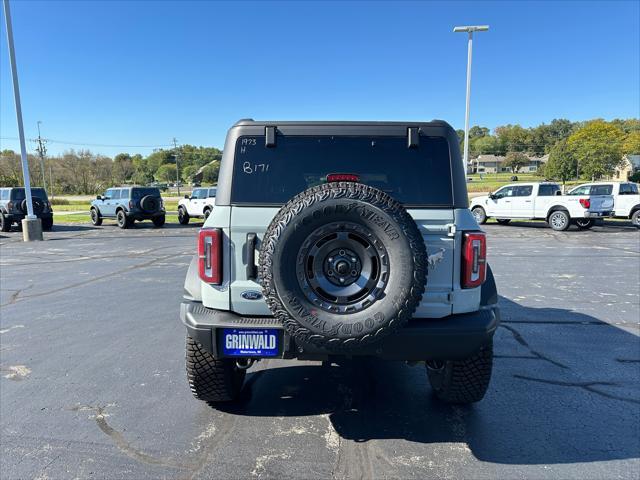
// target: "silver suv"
[[332, 240]]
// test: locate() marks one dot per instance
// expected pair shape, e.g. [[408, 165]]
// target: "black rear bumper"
[[18, 217], [452, 337], [139, 215]]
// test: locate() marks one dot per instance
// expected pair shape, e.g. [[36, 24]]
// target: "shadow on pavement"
[[536, 412], [605, 226]]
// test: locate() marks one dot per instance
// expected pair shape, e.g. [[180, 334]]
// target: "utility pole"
[[469, 29], [31, 226], [175, 154], [42, 152]]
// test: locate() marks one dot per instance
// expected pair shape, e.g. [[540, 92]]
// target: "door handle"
[[251, 256], [527, 201]]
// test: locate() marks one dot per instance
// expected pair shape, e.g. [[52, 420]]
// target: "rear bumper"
[[452, 337], [145, 216], [588, 214], [18, 217]]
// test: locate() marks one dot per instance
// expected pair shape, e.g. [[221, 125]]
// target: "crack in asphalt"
[[86, 282], [588, 386], [520, 339], [14, 296]]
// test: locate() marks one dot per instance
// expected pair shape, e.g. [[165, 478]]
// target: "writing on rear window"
[[272, 176]]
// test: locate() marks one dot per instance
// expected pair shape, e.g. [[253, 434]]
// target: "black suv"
[[127, 205], [13, 207]]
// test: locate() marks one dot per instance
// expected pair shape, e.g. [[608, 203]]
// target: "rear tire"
[[462, 381], [559, 220], [96, 218], [584, 223], [5, 224], [480, 215], [503, 221], [635, 219], [210, 379], [183, 216], [47, 224], [124, 222], [159, 221]]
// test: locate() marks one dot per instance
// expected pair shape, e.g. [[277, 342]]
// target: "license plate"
[[254, 342]]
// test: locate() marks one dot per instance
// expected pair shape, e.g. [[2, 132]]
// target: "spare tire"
[[38, 205], [150, 204], [342, 265]]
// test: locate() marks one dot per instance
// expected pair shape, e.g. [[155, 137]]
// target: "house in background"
[[495, 164], [631, 164]]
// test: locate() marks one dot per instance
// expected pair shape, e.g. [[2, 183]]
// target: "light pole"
[[469, 29], [31, 226]]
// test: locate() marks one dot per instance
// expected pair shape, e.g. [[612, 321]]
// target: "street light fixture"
[[469, 29]]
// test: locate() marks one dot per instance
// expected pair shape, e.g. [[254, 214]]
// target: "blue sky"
[[140, 73]]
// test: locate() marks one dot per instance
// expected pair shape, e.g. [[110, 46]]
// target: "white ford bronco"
[[541, 200], [197, 205], [332, 240], [626, 199]]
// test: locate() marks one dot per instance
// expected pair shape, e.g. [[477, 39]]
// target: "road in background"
[[92, 377]]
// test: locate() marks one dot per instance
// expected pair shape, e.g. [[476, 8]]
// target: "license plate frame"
[[250, 342]]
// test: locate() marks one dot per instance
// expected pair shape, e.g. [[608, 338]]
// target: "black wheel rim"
[[477, 214], [121, 219], [94, 216], [342, 268]]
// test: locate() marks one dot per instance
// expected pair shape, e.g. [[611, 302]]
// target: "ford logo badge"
[[251, 295]]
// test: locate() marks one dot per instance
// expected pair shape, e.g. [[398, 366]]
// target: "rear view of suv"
[[128, 205], [332, 240], [13, 207]]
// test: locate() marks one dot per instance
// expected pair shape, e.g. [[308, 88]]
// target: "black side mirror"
[[187, 197], [99, 197], [493, 196], [558, 192]]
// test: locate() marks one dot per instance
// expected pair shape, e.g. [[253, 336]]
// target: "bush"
[[635, 177]]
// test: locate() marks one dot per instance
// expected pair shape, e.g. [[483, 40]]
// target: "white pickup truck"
[[626, 200], [541, 200]]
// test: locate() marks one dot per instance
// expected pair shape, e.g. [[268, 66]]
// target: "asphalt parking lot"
[[92, 381]]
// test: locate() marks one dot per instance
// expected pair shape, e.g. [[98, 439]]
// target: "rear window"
[[138, 193], [601, 190], [628, 189], [548, 190], [20, 194], [413, 176]]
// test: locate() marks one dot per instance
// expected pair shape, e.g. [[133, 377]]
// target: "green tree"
[[210, 173], [561, 164], [515, 161], [166, 173], [188, 172], [631, 144], [513, 138], [486, 145], [123, 168], [598, 148]]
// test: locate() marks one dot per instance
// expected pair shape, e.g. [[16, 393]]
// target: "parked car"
[[197, 205], [318, 249], [13, 207], [128, 205], [541, 200], [626, 199]]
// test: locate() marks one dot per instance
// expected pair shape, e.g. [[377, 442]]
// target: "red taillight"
[[342, 177], [474, 259], [210, 255], [585, 202], [132, 204]]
